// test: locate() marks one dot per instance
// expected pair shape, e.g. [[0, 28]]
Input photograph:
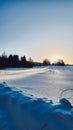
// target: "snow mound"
[[22, 112]]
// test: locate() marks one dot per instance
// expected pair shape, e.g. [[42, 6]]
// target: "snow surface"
[[49, 82], [27, 95]]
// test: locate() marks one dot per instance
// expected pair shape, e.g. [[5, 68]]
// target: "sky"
[[37, 28]]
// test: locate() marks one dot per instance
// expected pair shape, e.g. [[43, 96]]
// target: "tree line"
[[59, 62], [15, 61]]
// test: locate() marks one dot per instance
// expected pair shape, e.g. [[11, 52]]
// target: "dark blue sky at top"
[[37, 28], [28, 1]]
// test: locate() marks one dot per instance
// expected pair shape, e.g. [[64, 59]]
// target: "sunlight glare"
[[54, 59]]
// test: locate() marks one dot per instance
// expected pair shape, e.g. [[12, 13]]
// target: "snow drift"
[[22, 112]]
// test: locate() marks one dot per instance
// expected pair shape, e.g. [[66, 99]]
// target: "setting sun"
[[54, 59]]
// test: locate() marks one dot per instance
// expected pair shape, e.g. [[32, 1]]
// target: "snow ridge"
[[22, 112]]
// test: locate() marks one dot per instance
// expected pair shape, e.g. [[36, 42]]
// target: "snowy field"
[[36, 99], [48, 82]]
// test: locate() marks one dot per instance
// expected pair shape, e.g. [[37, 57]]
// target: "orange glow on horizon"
[[55, 59]]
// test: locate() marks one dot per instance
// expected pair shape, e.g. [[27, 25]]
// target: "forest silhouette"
[[13, 61]]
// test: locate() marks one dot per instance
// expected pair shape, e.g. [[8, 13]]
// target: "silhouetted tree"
[[10, 60], [3, 60], [30, 62], [30, 59], [59, 62], [4, 55], [46, 62], [23, 59], [10, 57], [15, 60]]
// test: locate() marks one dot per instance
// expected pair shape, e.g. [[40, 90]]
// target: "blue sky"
[[37, 28]]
